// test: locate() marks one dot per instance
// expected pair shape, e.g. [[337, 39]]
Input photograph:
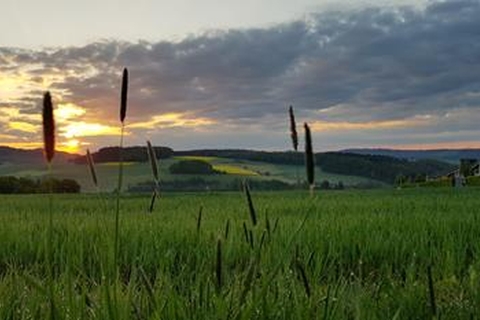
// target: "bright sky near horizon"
[[221, 74]]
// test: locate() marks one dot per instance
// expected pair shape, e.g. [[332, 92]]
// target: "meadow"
[[379, 254]]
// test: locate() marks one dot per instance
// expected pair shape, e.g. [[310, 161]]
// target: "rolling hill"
[[352, 170]]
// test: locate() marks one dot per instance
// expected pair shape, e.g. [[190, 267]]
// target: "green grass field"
[[339, 255]]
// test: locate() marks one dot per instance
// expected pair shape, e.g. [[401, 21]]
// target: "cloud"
[[395, 69]]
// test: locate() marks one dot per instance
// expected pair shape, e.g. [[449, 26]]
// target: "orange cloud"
[[12, 86], [67, 111], [369, 125], [22, 126], [24, 145], [172, 119]]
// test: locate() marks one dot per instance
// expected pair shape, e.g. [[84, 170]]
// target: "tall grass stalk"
[[91, 166], [117, 207], [152, 201], [153, 164], [153, 161], [123, 112], [431, 293], [218, 265], [48, 122]]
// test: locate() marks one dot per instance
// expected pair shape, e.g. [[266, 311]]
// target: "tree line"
[[22, 185], [129, 154]]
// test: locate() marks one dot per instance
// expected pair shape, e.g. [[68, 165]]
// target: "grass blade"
[[431, 291], [199, 219], [251, 208], [227, 229], [245, 233], [303, 277]]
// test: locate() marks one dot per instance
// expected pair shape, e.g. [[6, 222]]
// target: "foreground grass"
[[345, 255]]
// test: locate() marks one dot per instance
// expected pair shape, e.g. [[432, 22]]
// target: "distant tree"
[[192, 167], [419, 178], [68, 186], [400, 180], [27, 185], [325, 184], [466, 166], [133, 154], [8, 184]]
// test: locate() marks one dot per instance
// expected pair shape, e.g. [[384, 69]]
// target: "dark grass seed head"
[[293, 129], [123, 97], [309, 161], [48, 127]]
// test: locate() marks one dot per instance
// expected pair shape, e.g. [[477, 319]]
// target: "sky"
[[222, 74]]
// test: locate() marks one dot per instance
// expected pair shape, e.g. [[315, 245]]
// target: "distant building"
[[457, 179], [467, 168], [476, 169]]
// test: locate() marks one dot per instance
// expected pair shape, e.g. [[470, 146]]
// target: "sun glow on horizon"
[[85, 129], [70, 146]]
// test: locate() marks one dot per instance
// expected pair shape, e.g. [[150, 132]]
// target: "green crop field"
[[338, 255]]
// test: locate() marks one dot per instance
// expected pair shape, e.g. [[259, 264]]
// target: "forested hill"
[[378, 167], [382, 168], [130, 154], [448, 155], [19, 156]]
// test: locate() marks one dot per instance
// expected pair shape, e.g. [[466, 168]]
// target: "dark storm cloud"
[[373, 64]]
